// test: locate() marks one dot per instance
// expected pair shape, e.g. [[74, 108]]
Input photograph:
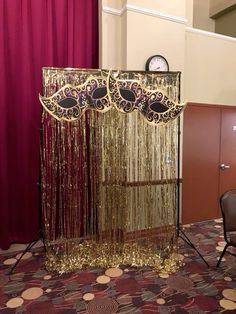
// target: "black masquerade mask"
[[107, 90]]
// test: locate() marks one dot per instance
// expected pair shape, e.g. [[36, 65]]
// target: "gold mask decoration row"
[[106, 90]]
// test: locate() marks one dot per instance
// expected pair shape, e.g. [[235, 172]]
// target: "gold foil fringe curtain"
[[109, 181]]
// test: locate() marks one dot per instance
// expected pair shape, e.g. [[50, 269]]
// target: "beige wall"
[[147, 38], [226, 24], [218, 7], [173, 7], [109, 35], [123, 63], [189, 12], [115, 4], [201, 16], [210, 67]]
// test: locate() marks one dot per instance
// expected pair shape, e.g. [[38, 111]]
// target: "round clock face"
[[157, 63]]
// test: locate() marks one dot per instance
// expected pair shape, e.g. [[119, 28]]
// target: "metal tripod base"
[[186, 239], [29, 247]]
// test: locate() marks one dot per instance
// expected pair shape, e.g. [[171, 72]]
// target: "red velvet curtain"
[[33, 34]]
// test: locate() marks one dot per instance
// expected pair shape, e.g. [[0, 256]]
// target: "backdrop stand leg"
[[41, 234], [186, 239], [27, 249]]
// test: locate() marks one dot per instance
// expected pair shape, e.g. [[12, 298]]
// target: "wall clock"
[[157, 63]]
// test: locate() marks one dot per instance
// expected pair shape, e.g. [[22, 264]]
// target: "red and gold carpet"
[[195, 289]]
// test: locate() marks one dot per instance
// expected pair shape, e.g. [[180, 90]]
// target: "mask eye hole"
[[67, 103], [99, 92], [158, 107], [127, 94]]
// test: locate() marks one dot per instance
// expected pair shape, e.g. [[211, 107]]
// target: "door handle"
[[224, 167]]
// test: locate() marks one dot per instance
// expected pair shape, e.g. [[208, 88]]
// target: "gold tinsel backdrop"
[[109, 159]]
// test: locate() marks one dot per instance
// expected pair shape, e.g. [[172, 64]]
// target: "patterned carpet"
[[194, 289]]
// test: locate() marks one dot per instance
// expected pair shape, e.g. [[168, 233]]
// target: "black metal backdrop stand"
[[41, 233], [180, 232]]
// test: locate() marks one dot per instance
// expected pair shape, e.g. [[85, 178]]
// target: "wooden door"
[[201, 152], [209, 160], [228, 150]]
